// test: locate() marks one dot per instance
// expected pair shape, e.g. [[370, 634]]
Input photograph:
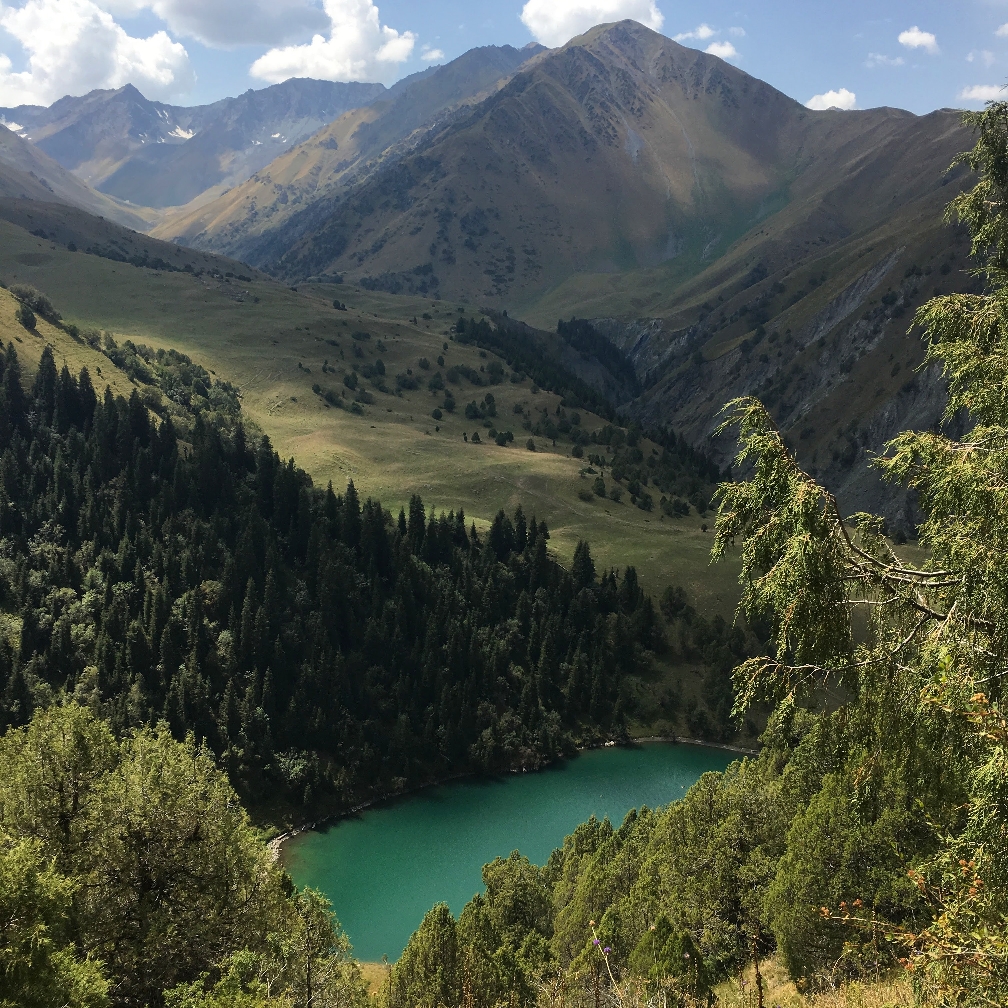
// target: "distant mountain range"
[[158, 155], [27, 173]]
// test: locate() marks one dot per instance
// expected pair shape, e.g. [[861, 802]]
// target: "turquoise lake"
[[384, 869]]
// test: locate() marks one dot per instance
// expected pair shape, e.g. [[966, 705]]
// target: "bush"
[[530, 444], [423, 364], [36, 302], [448, 405], [615, 493], [26, 317], [599, 487], [504, 438], [350, 380], [437, 414], [476, 439], [472, 411], [586, 495], [577, 452]]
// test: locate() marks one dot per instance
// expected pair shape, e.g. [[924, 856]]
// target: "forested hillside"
[[316, 643]]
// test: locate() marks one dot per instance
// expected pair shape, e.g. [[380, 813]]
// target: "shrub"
[[476, 439], [448, 405], [36, 302], [615, 493], [530, 444], [599, 487], [577, 452], [350, 380], [586, 495], [423, 364], [26, 317], [437, 414]]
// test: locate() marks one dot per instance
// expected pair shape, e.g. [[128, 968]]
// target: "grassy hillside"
[[257, 333]]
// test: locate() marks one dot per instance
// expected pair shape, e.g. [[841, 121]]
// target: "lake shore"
[[277, 842]]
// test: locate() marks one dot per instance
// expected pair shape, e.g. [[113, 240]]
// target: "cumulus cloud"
[[737, 32], [914, 38], [984, 56], [841, 99], [724, 50], [431, 55], [880, 59], [984, 93], [1002, 32], [73, 46], [224, 23], [359, 47], [556, 22], [699, 34]]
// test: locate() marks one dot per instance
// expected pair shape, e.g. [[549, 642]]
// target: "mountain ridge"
[[155, 154]]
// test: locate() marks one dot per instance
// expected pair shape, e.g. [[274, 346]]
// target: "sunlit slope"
[[391, 449], [353, 145]]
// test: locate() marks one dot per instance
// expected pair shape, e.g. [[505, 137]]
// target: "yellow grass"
[[780, 992]]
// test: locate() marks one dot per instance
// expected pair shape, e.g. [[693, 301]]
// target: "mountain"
[[347, 150], [160, 155], [683, 206], [27, 173], [621, 151]]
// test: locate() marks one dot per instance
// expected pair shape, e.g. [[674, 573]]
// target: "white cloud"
[[1002, 32], [699, 34], [880, 59], [359, 47], [984, 93], [737, 32], [224, 23], [12, 126], [914, 38], [984, 56], [725, 50], [431, 55], [841, 99], [556, 22], [73, 46]]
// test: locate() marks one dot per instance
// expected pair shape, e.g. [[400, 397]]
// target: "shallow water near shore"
[[385, 868]]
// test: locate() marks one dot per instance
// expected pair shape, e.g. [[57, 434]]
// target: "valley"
[[389, 472], [273, 342]]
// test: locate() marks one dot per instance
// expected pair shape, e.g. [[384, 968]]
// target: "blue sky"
[[195, 51]]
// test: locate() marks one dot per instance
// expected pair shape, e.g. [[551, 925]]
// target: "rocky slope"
[[347, 151]]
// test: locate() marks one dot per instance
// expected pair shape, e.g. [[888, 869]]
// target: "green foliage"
[[26, 317], [140, 850], [313, 648], [34, 301], [917, 784], [40, 966]]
